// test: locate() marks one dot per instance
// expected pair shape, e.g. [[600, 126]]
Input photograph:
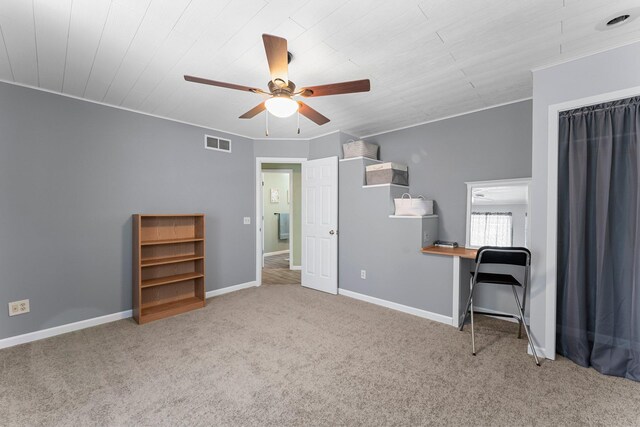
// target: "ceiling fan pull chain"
[[298, 121], [266, 126]]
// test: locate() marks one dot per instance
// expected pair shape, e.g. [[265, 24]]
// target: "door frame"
[[551, 289], [259, 207]]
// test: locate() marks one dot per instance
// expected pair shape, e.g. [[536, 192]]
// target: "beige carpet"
[[284, 355]]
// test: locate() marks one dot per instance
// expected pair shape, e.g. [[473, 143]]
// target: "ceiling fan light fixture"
[[281, 106]]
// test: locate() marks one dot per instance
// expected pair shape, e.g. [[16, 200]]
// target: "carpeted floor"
[[285, 355]]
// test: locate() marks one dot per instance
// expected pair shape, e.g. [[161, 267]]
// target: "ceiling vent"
[[619, 19], [217, 143]]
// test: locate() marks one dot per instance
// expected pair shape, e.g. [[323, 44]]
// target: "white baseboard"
[[295, 267], [399, 307], [63, 329], [541, 352], [88, 323], [275, 253], [228, 289]]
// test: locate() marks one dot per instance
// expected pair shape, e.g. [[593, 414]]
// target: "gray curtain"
[[598, 316]]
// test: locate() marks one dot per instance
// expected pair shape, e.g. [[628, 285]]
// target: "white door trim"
[[551, 290], [258, 217]]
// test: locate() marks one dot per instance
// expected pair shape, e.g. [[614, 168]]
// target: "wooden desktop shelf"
[[168, 265], [459, 252]]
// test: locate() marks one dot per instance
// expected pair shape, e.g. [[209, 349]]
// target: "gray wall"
[[294, 148], [328, 145], [442, 156], [614, 70], [388, 249], [71, 175]]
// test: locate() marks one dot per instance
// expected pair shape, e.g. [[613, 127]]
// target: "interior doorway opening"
[[278, 221]]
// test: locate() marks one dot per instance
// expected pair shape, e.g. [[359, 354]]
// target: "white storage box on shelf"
[[413, 206], [360, 149], [387, 173]]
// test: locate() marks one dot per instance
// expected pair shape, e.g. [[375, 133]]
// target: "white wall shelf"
[[412, 217], [385, 185], [361, 158]]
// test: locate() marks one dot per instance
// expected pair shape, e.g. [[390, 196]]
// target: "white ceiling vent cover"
[[216, 143]]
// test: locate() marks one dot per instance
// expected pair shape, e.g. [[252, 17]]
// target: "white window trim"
[[497, 182]]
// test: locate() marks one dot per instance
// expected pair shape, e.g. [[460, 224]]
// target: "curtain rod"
[[621, 103]]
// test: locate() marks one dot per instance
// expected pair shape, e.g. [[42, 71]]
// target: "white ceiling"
[[426, 59]]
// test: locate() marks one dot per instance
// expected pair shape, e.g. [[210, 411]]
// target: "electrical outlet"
[[363, 274], [247, 220], [19, 307]]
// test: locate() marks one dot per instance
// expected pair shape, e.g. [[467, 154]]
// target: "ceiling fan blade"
[[337, 88], [221, 84], [254, 111], [277, 56], [312, 114]]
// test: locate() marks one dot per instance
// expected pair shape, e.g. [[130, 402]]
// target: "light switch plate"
[[247, 220]]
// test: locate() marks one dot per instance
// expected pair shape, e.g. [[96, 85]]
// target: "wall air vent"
[[216, 143]]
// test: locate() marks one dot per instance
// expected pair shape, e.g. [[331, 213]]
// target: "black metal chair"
[[515, 256]]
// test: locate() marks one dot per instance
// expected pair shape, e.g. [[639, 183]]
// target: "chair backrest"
[[511, 255]]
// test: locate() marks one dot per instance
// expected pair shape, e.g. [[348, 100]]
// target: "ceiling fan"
[[281, 92]]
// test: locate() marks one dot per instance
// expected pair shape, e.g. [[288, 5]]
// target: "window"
[[491, 229]]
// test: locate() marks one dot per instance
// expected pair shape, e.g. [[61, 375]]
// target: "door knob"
[[332, 232]]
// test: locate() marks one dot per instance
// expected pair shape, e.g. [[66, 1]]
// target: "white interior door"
[[320, 224]]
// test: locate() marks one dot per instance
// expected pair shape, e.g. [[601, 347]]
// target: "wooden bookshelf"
[[168, 265]]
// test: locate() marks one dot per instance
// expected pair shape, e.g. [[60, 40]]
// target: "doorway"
[[278, 219]]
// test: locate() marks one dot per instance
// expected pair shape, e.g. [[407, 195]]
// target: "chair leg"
[[519, 329], [466, 310], [473, 336], [513, 288], [526, 328]]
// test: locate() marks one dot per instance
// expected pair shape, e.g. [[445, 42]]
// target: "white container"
[[360, 149], [387, 173], [413, 206]]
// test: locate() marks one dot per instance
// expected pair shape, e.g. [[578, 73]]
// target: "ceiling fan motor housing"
[[277, 87]]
